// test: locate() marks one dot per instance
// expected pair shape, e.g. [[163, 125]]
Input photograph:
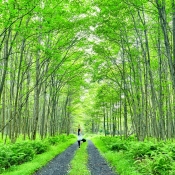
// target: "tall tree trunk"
[[36, 98]]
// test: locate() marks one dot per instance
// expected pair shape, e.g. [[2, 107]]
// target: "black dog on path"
[[84, 140]]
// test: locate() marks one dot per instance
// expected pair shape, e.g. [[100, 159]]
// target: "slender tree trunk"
[[5, 58], [104, 118], [36, 98], [43, 114]]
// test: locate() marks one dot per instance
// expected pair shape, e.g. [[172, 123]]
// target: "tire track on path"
[[97, 164], [60, 164]]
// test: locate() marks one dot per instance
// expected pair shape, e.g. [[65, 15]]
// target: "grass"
[[29, 168], [123, 165], [78, 165]]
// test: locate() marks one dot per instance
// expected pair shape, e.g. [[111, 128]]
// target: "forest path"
[[60, 164], [96, 163]]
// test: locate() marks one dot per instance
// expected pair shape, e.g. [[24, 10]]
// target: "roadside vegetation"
[[80, 161], [25, 157], [130, 157]]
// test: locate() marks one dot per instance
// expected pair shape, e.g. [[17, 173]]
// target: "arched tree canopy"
[[107, 65]]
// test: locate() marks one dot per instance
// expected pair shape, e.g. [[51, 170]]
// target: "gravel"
[[60, 164], [97, 164]]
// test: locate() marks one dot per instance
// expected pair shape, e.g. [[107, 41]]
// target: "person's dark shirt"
[[78, 131]]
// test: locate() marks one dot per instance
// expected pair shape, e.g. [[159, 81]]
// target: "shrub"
[[147, 157], [39, 147], [142, 149], [71, 136], [53, 140], [18, 153], [60, 138], [118, 146], [23, 151], [162, 164]]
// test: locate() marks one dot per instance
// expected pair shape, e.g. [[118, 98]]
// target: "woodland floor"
[[60, 164]]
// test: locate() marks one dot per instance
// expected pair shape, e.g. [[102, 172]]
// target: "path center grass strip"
[[29, 168], [79, 164]]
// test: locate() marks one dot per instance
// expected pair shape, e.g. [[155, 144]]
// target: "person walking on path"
[[79, 136]]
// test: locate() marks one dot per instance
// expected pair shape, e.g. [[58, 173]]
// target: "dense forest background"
[[108, 65]]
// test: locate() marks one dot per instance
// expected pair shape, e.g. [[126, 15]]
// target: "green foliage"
[[40, 160], [118, 147], [39, 147], [141, 149], [145, 157], [161, 164], [53, 140], [120, 162], [114, 143], [18, 153], [60, 138], [24, 151]]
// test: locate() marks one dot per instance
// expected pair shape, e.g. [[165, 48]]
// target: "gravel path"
[[97, 164], [60, 164]]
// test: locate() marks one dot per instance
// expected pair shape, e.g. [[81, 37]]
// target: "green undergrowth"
[[78, 165], [25, 157], [130, 157]]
